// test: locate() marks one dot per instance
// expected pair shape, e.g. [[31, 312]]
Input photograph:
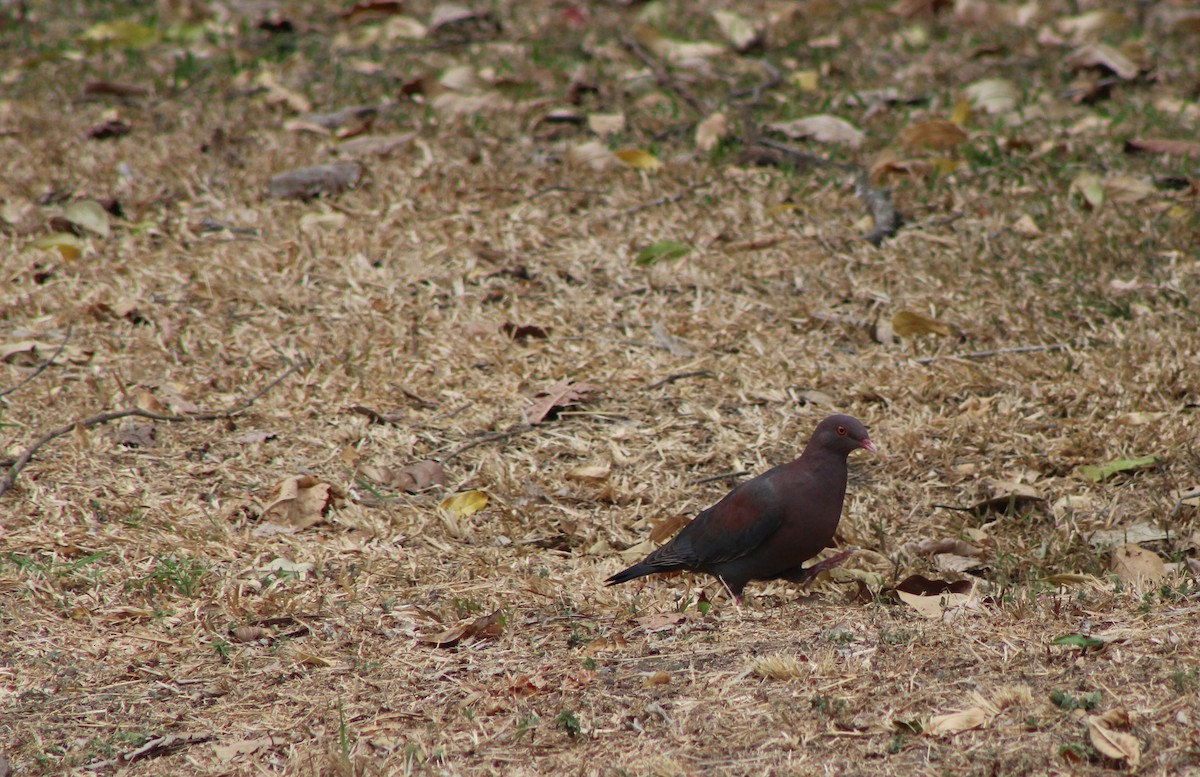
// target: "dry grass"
[[141, 597]]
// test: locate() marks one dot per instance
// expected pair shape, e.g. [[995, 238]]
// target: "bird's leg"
[[804, 575], [737, 599]]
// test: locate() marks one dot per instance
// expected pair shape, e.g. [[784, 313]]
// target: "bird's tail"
[[635, 571]]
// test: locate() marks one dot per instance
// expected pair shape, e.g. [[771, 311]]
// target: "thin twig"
[[989, 354], [26, 455], [512, 431], [560, 188], [723, 476], [669, 200], [42, 367], [680, 376], [883, 213], [662, 76]]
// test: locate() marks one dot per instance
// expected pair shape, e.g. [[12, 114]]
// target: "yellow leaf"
[[961, 113], [638, 159], [120, 33], [906, 323], [89, 215], [807, 81], [1089, 186], [464, 504], [68, 246]]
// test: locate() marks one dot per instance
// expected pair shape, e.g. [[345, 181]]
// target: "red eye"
[[841, 431]]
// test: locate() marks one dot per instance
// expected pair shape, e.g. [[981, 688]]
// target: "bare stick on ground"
[[883, 213], [26, 455], [41, 367]]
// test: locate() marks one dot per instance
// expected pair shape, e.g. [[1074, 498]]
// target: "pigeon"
[[767, 527]]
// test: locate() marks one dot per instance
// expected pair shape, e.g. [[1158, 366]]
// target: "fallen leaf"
[[937, 135], [993, 95], [738, 30], [661, 250], [483, 626], [1135, 565], [374, 145], [822, 128], [64, 244], [593, 154], [464, 503], [1118, 745], [1103, 56], [906, 324], [300, 502], [1188, 148], [122, 32], [660, 621], [606, 123], [556, 396], [612, 642], [638, 159], [594, 472], [1082, 641], [244, 747], [304, 182], [657, 678], [1127, 189], [420, 476], [955, 722], [710, 131], [89, 215], [1092, 24], [1027, 227], [807, 81], [1091, 188], [1135, 534], [1099, 472]]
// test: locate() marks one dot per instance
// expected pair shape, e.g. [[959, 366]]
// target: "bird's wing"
[[732, 528]]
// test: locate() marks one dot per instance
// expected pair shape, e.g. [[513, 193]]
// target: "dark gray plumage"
[[767, 527]]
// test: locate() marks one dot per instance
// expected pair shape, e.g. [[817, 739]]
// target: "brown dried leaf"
[[1135, 565], [1117, 745], [612, 642], [660, 621], [1188, 148], [556, 396], [955, 722], [483, 626], [710, 131], [822, 128], [300, 502], [937, 134], [906, 324], [420, 476], [1102, 55]]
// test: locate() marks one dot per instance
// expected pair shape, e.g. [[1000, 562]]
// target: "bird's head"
[[842, 434]]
